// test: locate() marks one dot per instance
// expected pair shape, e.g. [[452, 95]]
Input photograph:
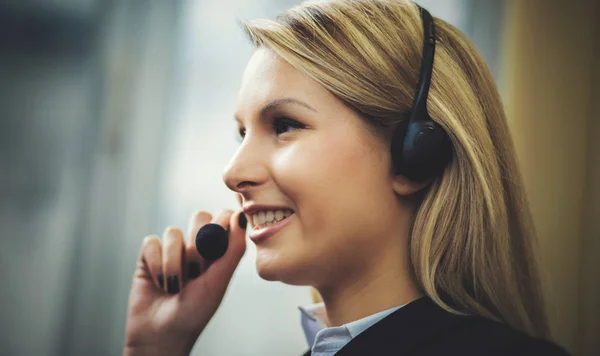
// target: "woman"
[[418, 243]]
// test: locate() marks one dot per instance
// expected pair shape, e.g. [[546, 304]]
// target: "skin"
[[348, 236]]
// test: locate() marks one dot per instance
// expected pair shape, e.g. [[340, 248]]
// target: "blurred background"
[[116, 121]]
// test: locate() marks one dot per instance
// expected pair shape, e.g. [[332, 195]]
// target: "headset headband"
[[420, 103], [421, 149]]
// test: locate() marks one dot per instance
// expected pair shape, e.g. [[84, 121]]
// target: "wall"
[[549, 63]]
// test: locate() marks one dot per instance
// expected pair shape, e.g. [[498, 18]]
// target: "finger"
[[172, 255], [237, 240], [222, 218], [151, 256], [217, 276], [194, 264]]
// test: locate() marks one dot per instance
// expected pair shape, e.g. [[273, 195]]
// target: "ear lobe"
[[404, 186]]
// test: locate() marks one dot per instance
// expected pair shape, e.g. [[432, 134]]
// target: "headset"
[[421, 149]]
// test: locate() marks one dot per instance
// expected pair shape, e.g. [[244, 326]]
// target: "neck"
[[388, 284]]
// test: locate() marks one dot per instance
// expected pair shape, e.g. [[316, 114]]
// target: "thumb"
[[215, 279]]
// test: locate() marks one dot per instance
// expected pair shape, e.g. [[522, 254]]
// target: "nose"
[[247, 168]]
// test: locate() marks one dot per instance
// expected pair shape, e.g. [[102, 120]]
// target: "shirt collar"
[[312, 324]]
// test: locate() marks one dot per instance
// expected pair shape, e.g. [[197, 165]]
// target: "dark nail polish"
[[161, 281], [173, 284], [193, 270], [242, 220]]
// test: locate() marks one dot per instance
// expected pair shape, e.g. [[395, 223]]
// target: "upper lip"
[[250, 209]]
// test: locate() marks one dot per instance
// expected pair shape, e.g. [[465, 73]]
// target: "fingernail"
[[161, 281], [242, 220], [173, 284], [193, 270]]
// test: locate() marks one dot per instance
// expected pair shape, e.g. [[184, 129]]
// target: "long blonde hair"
[[472, 239]]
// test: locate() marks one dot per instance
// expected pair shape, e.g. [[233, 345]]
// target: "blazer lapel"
[[403, 331]]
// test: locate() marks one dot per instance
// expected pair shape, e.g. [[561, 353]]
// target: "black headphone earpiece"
[[421, 149]]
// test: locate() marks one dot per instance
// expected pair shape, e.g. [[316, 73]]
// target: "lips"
[[261, 234], [251, 209]]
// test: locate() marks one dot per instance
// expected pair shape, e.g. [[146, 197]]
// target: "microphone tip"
[[212, 241]]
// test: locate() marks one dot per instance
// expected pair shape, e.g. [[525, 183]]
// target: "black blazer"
[[422, 328]]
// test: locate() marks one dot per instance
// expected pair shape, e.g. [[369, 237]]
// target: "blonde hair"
[[472, 239]]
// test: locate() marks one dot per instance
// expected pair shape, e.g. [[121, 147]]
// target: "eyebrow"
[[275, 103]]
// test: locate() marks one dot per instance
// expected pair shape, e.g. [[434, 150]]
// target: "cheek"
[[318, 168], [335, 183], [338, 189]]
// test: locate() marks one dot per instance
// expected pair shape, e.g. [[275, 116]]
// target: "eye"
[[281, 124], [240, 136]]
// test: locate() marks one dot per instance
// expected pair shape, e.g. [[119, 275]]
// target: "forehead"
[[268, 77]]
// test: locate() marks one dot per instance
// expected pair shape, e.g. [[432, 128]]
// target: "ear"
[[405, 187]]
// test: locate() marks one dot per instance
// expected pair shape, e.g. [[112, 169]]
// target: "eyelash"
[[276, 121]]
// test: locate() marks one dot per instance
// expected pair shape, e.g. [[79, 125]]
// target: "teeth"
[[261, 217], [265, 218], [279, 214]]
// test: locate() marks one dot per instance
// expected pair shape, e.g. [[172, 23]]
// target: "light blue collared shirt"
[[326, 341]]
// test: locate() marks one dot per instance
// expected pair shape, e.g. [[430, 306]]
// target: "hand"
[[175, 292]]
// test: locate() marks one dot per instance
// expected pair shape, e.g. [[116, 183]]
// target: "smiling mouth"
[[265, 231], [263, 219]]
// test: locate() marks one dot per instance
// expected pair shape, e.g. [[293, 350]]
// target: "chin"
[[271, 269]]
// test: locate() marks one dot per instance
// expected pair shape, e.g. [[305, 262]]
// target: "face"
[[310, 153]]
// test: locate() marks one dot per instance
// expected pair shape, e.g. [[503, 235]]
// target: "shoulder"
[[476, 335], [534, 346], [421, 328]]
